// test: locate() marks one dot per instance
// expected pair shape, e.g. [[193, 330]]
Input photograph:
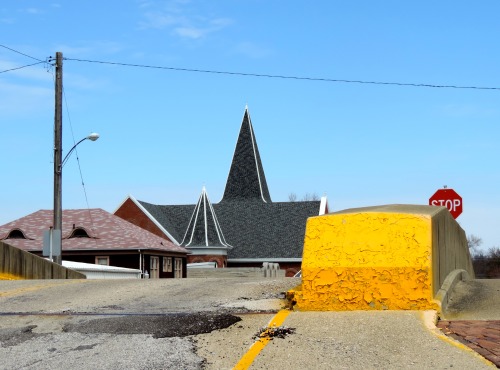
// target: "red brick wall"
[[130, 212]]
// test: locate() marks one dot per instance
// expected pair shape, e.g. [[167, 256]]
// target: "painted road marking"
[[22, 290], [259, 345]]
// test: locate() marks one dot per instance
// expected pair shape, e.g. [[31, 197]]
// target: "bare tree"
[[474, 242], [310, 196], [487, 265], [292, 197]]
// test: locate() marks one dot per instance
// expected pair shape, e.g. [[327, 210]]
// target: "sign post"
[[447, 198]]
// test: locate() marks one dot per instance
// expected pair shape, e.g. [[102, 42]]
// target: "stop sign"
[[447, 198]]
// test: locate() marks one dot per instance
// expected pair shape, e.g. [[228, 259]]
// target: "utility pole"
[[57, 247]]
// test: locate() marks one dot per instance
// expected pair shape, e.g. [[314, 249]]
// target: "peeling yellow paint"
[[365, 261]]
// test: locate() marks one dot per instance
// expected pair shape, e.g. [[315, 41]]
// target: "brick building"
[[245, 229], [99, 237]]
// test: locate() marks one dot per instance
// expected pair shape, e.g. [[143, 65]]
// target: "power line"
[[286, 77], [319, 79], [18, 52], [28, 65], [26, 55]]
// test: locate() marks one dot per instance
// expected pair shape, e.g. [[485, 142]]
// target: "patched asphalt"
[[159, 326]]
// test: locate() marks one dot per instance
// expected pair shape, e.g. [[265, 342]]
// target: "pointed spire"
[[204, 229], [246, 179]]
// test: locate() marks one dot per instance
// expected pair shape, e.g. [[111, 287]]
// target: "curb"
[[443, 294]]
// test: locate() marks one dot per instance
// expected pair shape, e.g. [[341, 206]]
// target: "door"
[[154, 264], [178, 268]]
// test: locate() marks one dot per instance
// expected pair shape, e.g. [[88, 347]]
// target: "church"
[[245, 229]]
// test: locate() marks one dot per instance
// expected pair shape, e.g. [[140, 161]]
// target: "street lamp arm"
[[93, 137]]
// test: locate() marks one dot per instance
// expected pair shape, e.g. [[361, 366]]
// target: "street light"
[[58, 166], [92, 137]]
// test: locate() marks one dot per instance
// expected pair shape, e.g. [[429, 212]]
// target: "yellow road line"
[[7, 276], [259, 345], [22, 290]]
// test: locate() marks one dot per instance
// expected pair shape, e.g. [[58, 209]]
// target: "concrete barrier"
[[233, 272], [17, 264], [393, 257], [270, 269]]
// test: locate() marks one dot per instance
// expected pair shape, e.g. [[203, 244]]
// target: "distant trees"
[[487, 265], [292, 197], [474, 242]]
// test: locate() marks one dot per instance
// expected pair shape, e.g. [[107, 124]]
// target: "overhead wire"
[[18, 52], [321, 79], [302, 78], [16, 68], [39, 61]]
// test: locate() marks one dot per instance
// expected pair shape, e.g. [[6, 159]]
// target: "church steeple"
[[204, 230], [246, 179]]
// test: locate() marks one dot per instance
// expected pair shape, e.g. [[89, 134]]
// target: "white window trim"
[[97, 258]]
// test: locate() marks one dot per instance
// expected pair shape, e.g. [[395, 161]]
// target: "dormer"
[[78, 232], [15, 234]]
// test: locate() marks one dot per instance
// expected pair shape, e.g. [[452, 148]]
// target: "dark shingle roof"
[[256, 227], [173, 218], [265, 230], [246, 179], [204, 229]]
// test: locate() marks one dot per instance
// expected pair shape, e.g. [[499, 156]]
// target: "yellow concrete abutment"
[[393, 257]]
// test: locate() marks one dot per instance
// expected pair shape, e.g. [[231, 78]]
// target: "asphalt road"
[[204, 324], [116, 324]]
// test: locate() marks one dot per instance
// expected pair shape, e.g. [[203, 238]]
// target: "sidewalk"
[[473, 317], [341, 340], [483, 336]]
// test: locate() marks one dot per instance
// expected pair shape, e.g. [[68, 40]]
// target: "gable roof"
[[246, 179], [255, 229], [204, 229], [165, 226], [173, 218], [105, 230]]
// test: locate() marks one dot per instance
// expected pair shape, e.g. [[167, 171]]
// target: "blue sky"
[[166, 132]]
